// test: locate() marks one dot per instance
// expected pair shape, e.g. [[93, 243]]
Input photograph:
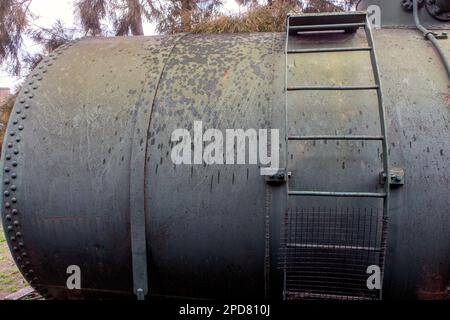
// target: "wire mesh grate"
[[326, 252]]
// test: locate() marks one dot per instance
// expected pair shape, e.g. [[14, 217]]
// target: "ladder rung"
[[319, 50], [311, 295], [332, 88], [337, 194], [327, 18], [332, 246], [360, 138], [324, 27]]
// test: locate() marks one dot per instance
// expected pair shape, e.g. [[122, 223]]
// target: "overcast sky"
[[48, 11]]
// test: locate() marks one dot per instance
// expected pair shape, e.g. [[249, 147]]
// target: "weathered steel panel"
[[214, 231]]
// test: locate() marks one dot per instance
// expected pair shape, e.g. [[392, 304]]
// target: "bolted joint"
[[397, 177], [278, 178]]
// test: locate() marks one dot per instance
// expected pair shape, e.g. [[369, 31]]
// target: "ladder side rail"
[[286, 133], [382, 112]]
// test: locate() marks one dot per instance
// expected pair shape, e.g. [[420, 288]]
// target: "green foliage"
[[256, 19], [126, 17], [14, 17], [270, 17], [10, 278]]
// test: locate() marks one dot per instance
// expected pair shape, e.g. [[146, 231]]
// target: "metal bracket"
[[442, 36], [439, 36], [140, 294], [397, 177], [278, 178]]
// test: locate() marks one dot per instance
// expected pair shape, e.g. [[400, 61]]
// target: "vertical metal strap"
[[137, 202], [141, 120]]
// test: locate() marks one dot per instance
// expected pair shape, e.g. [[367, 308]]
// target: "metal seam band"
[[137, 187]]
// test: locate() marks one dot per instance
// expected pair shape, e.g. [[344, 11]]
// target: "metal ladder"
[[347, 22]]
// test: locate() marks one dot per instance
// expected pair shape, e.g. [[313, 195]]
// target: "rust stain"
[[226, 75], [447, 99], [432, 283]]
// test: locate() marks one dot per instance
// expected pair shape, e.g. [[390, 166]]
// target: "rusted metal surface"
[[67, 167], [434, 282]]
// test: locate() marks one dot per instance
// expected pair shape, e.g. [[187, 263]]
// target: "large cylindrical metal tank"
[[89, 144]]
